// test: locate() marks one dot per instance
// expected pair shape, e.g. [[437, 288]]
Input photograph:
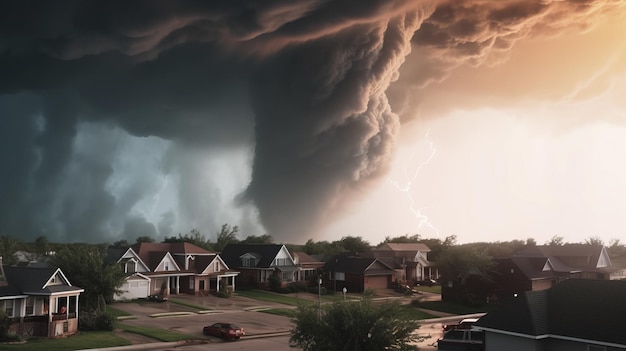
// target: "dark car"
[[224, 331], [156, 298], [426, 282]]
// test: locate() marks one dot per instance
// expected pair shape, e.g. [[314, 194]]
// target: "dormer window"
[[249, 262]]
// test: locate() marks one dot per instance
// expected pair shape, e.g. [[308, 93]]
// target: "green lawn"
[[156, 333], [436, 289], [272, 297], [286, 312], [189, 304], [117, 312], [84, 340]]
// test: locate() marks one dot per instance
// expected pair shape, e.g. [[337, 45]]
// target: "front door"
[[201, 285]]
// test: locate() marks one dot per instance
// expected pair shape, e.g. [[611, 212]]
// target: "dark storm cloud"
[[303, 83]]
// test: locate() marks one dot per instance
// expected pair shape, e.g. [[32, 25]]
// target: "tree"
[[227, 235], [261, 239], [41, 245], [85, 266], [8, 246], [144, 239], [402, 239], [531, 242], [354, 244], [468, 270], [359, 326], [194, 237], [556, 241], [121, 243], [594, 240]]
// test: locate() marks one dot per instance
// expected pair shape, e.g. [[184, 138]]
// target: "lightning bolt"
[[406, 189]]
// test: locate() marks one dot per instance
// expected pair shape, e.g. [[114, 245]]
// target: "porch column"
[[232, 278], [177, 284], [218, 283], [167, 286], [49, 310]]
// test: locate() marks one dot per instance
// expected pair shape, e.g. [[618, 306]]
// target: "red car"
[[224, 331]]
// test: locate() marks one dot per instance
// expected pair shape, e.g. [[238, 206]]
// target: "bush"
[[297, 287], [416, 303], [275, 282], [91, 320]]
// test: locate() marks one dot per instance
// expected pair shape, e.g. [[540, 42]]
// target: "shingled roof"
[[582, 309], [265, 252], [32, 281]]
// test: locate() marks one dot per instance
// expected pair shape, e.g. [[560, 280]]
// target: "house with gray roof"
[[357, 274], [410, 260], [258, 262], [542, 267], [39, 301], [575, 315], [170, 269]]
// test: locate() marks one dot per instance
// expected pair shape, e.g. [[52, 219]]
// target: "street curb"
[[172, 344]]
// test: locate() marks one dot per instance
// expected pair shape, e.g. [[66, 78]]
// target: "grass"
[[285, 312], [117, 312], [436, 289], [84, 340], [156, 333], [271, 297], [189, 304]]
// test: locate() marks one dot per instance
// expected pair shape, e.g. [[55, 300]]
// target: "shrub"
[[297, 287], [90, 320], [275, 282]]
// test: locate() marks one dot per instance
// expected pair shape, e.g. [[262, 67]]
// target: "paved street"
[[243, 311]]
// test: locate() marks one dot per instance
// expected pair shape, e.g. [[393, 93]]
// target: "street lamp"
[[319, 296]]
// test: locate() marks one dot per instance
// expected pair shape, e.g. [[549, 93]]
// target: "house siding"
[[567, 345], [499, 342]]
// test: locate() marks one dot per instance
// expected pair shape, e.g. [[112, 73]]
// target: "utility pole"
[[319, 296]]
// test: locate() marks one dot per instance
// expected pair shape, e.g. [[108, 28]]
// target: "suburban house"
[[357, 274], [39, 301], [542, 267], [171, 268], [575, 315], [410, 260], [309, 266], [258, 262]]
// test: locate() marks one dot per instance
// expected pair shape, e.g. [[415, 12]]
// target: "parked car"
[[462, 340], [426, 282], [407, 290], [224, 331], [156, 298], [466, 323]]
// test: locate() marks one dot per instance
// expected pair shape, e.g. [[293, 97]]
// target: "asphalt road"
[[242, 311]]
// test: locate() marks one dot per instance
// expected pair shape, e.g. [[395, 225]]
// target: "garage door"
[[376, 282], [133, 289]]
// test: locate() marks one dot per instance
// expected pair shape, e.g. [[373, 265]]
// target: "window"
[[340, 276], [9, 307], [287, 276], [167, 266], [192, 283], [131, 266], [30, 306], [249, 262], [216, 266]]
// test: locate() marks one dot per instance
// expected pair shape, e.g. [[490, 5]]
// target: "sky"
[[491, 121]]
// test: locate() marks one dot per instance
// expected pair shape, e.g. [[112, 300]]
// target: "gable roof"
[[582, 309], [357, 265], [153, 253], [304, 258], [34, 281], [266, 252], [568, 257], [404, 247]]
